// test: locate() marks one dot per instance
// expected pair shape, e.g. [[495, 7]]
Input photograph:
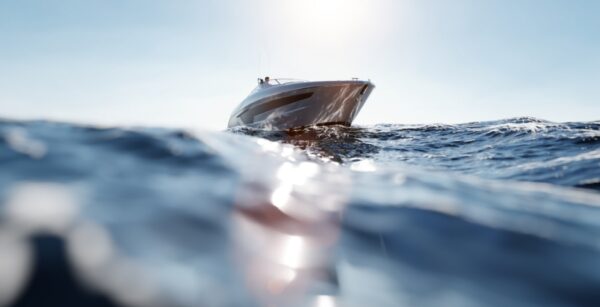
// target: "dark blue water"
[[499, 213]]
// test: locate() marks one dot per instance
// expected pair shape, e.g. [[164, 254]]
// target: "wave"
[[486, 213]]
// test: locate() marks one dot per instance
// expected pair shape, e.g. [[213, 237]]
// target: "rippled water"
[[500, 213]]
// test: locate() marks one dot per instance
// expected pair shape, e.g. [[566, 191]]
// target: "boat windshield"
[[274, 82], [284, 81], [279, 81]]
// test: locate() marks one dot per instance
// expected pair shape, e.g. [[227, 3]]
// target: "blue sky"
[[188, 63]]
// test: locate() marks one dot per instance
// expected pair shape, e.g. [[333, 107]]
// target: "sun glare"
[[329, 20]]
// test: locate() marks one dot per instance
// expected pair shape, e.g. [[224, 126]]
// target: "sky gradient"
[[186, 63]]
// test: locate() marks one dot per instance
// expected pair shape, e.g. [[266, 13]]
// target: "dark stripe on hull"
[[247, 115]]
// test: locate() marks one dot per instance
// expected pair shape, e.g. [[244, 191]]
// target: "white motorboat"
[[285, 103]]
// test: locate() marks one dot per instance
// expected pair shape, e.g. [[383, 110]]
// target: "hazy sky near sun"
[[189, 63]]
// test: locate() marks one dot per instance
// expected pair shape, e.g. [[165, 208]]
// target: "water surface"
[[499, 213]]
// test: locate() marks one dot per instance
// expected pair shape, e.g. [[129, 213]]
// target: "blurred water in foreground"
[[502, 213]]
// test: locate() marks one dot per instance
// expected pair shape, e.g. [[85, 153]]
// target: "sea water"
[[496, 213]]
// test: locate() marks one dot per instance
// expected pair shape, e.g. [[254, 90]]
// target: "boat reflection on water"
[[282, 268], [336, 143], [285, 244]]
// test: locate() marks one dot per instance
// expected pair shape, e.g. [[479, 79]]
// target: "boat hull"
[[303, 104]]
